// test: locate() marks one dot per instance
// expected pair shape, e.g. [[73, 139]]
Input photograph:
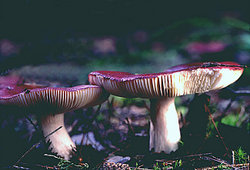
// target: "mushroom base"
[[164, 125], [60, 141]]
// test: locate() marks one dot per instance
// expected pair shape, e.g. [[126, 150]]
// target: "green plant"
[[240, 156], [181, 143], [165, 165], [231, 119], [211, 129], [178, 164], [65, 164], [137, 166], [162, 166], [222, 166], [156, 166]]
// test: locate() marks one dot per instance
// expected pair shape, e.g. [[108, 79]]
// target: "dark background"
[[34, 20], [41, 26]]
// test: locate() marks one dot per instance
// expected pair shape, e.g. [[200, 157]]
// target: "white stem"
[[60, 141], [164, 126]]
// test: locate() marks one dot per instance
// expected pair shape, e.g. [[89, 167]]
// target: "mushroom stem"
[[60, 141], [164, 126]]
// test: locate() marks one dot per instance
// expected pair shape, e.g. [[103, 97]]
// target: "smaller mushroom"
[[50, 104], [162, 88]]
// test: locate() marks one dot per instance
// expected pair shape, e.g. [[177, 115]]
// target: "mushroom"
[[162, 88], [50, 104]]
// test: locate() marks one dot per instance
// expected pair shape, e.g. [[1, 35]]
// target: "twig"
[[19, 167], [52, 132], [242, 92], [194, 155], [52, 156], [233, 160], [35, 145], [217, 160], [229, 93], [189, 156], [27, 117], [210, 115], [129, 125]]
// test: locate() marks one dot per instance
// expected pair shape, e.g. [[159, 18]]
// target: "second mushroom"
[[162, 88], [50, 104]]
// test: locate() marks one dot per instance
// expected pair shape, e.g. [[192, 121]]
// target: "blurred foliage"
[[231, 119], [123, 102], [233, 22]]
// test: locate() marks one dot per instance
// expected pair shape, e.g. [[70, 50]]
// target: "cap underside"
[[56, 100], [169, 83]]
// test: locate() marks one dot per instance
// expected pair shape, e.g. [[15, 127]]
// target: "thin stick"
[[129, 125], [210, 115], [199, 154], [217, 160], [242, 92], [188, 156], [19, 167], [52, 132], [27, 117], [35, 145], [233, 160]]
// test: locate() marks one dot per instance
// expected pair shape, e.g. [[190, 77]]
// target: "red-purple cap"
[[176, 81], [51, 99]]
